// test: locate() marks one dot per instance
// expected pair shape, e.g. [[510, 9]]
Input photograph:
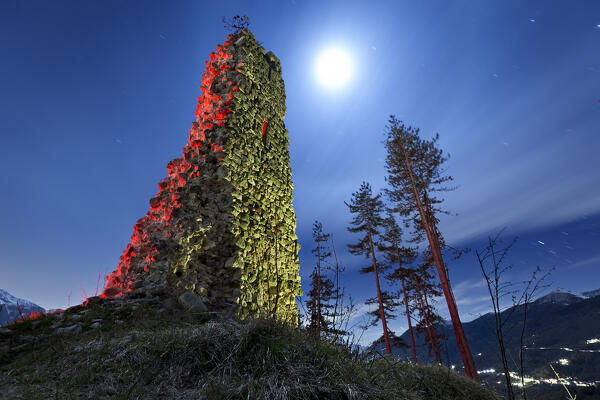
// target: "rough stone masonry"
[[222, 224]]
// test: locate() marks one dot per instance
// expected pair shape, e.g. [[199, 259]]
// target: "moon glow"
[[334, 68]]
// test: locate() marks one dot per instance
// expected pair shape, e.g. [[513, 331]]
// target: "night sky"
[[97, 97]]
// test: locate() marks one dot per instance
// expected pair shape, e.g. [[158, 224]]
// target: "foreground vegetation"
[[142, 351]]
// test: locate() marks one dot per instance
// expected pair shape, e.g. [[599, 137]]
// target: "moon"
[[334, 68]]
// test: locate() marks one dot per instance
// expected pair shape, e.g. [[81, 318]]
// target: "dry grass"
[[176, 357]]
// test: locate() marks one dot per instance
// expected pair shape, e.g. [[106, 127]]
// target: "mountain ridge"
[[562, 330], [13, 308]]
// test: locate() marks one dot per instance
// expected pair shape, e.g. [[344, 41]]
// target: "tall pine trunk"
[[422, 300], [434, 338], [388, 348], [410, 330], [461, 339], [404, 292], [318, 293]]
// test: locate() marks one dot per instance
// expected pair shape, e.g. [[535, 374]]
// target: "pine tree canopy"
[[367, 211], [407, 150], [390, 303], [391, 243]]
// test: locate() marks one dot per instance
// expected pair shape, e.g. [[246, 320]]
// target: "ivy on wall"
[[222, 224], [259, 171]]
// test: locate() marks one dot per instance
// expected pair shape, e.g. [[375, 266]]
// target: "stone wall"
[[222, 223]]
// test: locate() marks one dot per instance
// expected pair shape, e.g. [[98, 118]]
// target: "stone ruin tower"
[[222, 223]]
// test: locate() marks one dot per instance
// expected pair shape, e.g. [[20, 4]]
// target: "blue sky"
[[97, 97]]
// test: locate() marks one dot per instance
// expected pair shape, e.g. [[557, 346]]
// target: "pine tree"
[[367, 211], [425, 290], [388, 300], [414, 167], [322, 288], [339, 309], [318, 304], [399, 256]]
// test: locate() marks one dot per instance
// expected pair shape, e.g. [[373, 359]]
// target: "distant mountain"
[[12, 308], [591, 293], [562, 329], [559, 297]]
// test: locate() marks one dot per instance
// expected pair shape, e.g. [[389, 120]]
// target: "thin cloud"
[[586, 262], [469, 301], [467, 286]]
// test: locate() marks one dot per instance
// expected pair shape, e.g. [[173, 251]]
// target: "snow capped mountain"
[[559, 297], [12, 308], [591, 293]]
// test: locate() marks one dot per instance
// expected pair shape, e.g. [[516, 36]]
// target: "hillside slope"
[[142, 349], [560, 326]]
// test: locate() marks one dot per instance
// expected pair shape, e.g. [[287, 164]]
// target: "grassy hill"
[[146, 349]]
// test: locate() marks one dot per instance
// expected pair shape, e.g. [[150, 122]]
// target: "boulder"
[[111, 292], [93, 300], [5, 332], [191, 302], [72, 330]]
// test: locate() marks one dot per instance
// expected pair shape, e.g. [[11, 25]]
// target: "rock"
[[20, 347], [119, 322], [170, 303], [137, 284], [111, 292], [5, 332], [145, 300], [72, 330], [192, 302], [202, 291], [136, 292], [156, 290], [75, 317], [93, 300], [76, 309], [95, 325], [229, 262], [42, 339]]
